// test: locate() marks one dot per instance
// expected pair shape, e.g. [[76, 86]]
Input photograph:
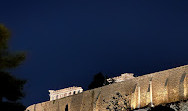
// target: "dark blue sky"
[[67, 42]]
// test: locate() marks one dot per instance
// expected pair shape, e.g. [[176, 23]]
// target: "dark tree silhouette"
[[98, 81], [11, 87]]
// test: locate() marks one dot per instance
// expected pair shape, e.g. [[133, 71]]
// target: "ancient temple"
[[57, 94], [121, 78]]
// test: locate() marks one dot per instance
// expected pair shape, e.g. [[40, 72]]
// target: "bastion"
[[151, 89]]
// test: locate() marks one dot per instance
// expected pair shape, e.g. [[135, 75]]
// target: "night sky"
[[68, 41]]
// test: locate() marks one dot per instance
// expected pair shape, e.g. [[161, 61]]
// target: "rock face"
[[153, 89], [180, 106], [175, 106]]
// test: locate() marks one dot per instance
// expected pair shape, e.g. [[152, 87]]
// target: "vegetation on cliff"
[[99, 80]]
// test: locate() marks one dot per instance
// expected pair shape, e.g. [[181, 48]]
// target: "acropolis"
[[150, 90]]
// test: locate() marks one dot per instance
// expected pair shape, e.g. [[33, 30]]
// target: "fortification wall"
[[156, 88]]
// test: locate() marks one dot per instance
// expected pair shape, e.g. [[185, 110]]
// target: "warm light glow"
[[185, 87], [151, 100], [133, 101]]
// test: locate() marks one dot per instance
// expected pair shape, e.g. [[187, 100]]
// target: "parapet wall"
[[155, 88]]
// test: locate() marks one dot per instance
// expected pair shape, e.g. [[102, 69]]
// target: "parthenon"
[[57, 94]]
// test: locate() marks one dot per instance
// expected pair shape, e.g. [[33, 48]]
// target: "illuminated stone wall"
[[151, 89]]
